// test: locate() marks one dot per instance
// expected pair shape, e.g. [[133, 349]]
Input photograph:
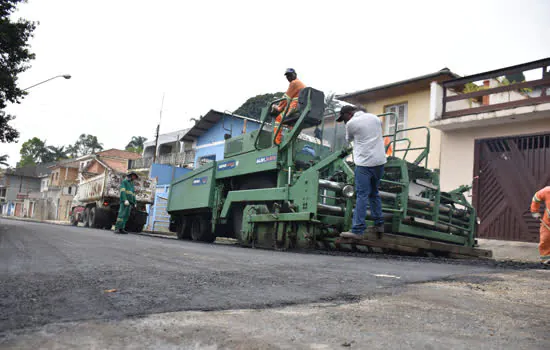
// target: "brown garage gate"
[[510, 170]]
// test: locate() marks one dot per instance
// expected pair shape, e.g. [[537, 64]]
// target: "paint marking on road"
[[386, 276]]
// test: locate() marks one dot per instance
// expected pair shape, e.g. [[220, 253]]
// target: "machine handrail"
[[263, 118], [426, 148]]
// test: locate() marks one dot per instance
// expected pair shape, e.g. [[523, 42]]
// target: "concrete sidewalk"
[[502, 250], [511, 250]]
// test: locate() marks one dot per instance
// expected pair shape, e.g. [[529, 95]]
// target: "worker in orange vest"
[[291, 95], [388, 146], [543, 196]]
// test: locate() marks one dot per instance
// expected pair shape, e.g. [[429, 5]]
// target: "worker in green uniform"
[[127, 199]]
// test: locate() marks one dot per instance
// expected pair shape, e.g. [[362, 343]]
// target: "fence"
[[177, 159], [463, 97]]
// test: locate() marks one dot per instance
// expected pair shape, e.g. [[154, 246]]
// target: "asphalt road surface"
[[55, 274]]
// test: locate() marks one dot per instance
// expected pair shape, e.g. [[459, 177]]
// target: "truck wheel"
[[93, 219], [184, 228], [85, 215], [201, 230], [74, 220]]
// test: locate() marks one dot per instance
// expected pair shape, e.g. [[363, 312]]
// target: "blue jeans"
[[367, 181]]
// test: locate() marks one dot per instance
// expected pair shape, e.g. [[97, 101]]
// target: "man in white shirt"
[[369, 155]]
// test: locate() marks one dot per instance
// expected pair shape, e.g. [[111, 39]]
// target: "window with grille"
[[207, 159], [401, 111]]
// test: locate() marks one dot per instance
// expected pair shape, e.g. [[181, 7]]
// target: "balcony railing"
[[177, 159], [496, 90]]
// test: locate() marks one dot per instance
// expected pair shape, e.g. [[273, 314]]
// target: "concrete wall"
[[418, 114], [20, 184], [457, 148]]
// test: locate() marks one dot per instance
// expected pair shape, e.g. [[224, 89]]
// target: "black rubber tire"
[[94, 219], [184, 228], [74, 220], [85, 215], [201, 230]]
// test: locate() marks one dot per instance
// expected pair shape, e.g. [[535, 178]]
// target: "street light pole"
[[66, 76]]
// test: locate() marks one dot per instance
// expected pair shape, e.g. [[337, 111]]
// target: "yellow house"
[[410, 100]]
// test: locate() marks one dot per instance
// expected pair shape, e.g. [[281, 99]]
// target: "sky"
[[124, 55]]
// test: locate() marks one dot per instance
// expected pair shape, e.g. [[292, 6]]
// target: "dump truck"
[[300, 194], [97, 201]]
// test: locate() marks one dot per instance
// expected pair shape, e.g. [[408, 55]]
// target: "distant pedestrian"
[[369, 155], [127, 199], [543, 196]]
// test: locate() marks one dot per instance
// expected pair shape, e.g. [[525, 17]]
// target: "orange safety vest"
[[543, 196], [389, 150], [291, 94]]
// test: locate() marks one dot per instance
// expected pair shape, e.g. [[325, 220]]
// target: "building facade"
[[16, 185], [495, 135], [209, 133], [410, 101]]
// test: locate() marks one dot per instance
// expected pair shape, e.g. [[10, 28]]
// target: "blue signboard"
[[230, 164], [198, 181], [266, 159]]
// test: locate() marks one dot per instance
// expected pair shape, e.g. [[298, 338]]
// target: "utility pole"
[[158, 129]]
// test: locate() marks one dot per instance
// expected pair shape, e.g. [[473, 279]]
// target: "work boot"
[[351, 235], [378, 230]]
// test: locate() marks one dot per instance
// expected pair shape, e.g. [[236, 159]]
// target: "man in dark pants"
[[127, 200], [369, 156]]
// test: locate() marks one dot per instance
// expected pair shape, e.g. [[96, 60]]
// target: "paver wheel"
[[201, 229], [184, 228]]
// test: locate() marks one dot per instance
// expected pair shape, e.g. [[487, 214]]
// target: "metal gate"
[[507, 172]]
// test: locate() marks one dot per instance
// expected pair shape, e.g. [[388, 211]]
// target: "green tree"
[[34, 151], [72, 151], [14, 59], [7, 132], [88, 144], [4, 160], [252, 108], [58, 153], [136, 144]]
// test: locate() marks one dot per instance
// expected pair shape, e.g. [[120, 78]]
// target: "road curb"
[[154, 235], [59, 223]]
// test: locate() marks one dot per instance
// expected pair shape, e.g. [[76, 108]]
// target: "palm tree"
[[58, 153], [136, 144], [4, 160], [331, 103], [72, 151], [88, 144], [94, 145], [137, 141]]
